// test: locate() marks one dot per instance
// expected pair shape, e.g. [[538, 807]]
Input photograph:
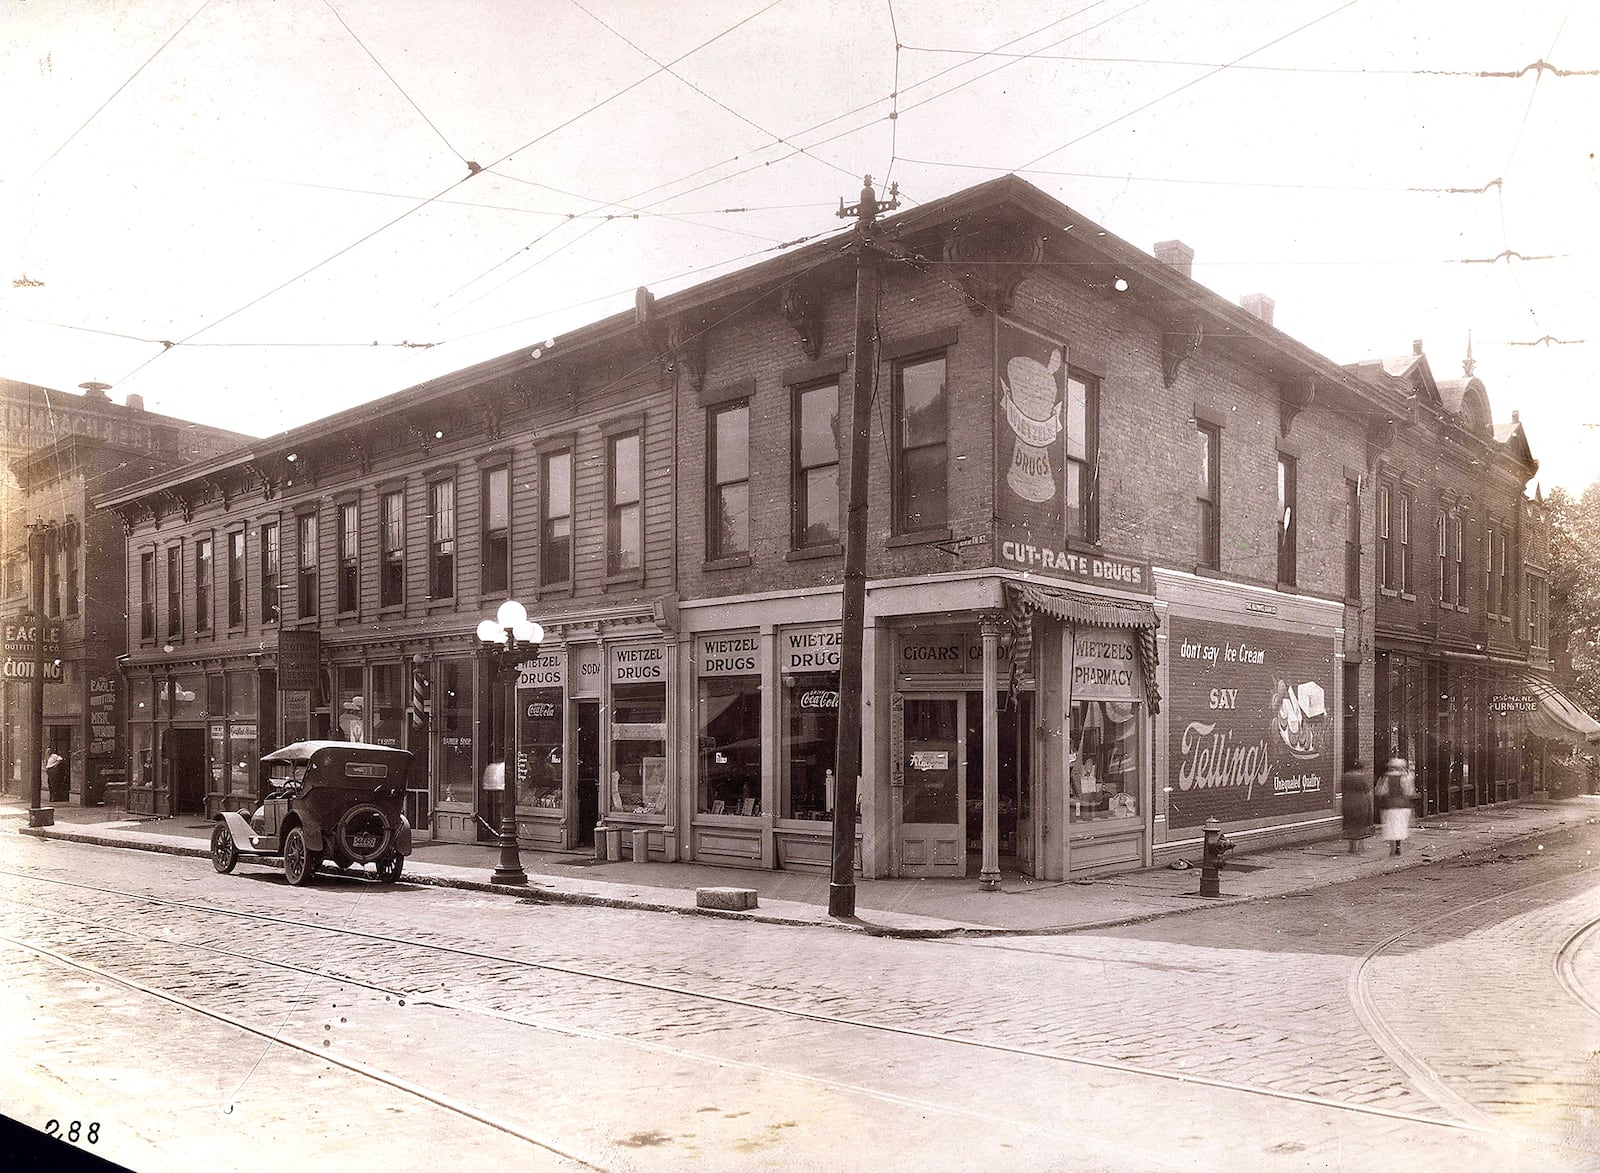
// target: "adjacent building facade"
[[1121, 561], [60, 451]]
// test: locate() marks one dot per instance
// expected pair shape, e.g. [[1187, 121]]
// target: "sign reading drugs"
[[1029, 435], [1251, 731]]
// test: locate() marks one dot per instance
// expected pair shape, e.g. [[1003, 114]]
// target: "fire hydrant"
[[1216, 846]]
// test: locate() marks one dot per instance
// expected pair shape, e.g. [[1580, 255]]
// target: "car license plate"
[[363, 842]]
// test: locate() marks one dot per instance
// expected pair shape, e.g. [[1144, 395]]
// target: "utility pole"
[[40, 534], [847, 754]]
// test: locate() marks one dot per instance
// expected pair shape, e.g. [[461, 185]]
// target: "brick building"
[[1121, 559], [59, 451]]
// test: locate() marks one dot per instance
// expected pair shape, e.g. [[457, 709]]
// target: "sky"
[[320, 202]]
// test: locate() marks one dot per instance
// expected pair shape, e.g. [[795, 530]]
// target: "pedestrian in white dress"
[[1392, 795]]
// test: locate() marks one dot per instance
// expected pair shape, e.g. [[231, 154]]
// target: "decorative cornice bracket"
[[802, 306], [991, 265], [1177, 346], [1293, 398]]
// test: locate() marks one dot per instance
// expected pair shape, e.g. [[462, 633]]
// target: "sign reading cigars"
[[1250, 732], [1033, 435]]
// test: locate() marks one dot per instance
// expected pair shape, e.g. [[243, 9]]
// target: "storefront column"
[[989, 872]]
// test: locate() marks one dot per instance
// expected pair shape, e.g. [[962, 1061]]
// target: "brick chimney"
[[1416, 346], [135, 402], [1258, 305], [1176, 254]]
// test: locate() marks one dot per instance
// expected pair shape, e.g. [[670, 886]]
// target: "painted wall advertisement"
[[1251, 725], [1029, 436]]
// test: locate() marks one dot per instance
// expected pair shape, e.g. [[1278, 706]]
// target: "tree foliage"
[[1575, 592]]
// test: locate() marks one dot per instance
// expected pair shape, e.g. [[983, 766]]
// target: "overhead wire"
[[412, 211], [894, 97], [130, 80]]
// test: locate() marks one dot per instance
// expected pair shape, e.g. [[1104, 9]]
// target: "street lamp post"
[[509, 639]]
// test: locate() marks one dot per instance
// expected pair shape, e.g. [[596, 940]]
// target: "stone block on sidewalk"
[[730, 899]]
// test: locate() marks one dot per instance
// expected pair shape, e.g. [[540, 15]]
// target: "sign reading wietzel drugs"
[[1029, 435], [1251, 734]]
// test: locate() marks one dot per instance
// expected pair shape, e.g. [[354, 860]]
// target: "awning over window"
[[1557, 718], [1078, 609]]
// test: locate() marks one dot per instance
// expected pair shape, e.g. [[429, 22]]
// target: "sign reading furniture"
[[1251, 732]]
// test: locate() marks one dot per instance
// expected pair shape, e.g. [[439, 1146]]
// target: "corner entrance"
[[940, 776]]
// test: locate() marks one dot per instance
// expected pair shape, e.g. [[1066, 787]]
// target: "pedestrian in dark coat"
[[1393, 794], [1355, 800]]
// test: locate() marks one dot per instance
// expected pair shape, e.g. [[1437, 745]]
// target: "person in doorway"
[[1392, 795], [52, 776]]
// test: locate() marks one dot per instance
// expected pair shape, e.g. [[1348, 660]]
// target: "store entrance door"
[[1014, 727], [933, 773], [186, 770], [587, 775]]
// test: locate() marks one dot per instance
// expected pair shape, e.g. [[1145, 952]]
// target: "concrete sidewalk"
[[902, 908]]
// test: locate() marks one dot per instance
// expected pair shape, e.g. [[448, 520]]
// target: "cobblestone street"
[[1418, 1012]]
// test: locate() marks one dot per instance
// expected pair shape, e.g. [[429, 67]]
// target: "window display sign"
[[809, 651], [1251, 726], [1105, 665], [727, 655], [638, 665], [547, 669]]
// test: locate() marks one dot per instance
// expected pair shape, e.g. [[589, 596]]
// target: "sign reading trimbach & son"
[[20, 635]]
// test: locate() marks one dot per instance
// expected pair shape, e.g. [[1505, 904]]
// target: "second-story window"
[[202, 584], [1083, 442], [1208, 493], [147, 595], [815, 466], [349, 538], [1352, 539], [1288, 520], [495, 541], [269, 572], [236, 579], [53, 575], [921, 442], [555, 522], [624, 513], [1386, 552], [392, 572], [1441, 537], [69, 553], [728, 482], [1504, 575], [1488, 567], [306, 580], [1458, 543], [1402, 537], [442, 540], [174, 592]]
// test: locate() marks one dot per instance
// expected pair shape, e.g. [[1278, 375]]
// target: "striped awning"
[[1556, 717], [1024, 600]]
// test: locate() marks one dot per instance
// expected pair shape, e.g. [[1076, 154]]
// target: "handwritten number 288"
[[74, 1130]]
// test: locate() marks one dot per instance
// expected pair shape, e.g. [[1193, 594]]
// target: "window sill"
[[920, 537], [631, 578], [1287, 588], [391, 610], [735, 562], [804, 553], [1388, 593], [551, 590], [441, 604], [1408, 597], [1208, 571]]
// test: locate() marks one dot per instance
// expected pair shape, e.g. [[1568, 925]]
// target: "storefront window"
[[452, 699], [352, 718], [219, 756], [729, 727], [539, 745], [639, 748], [1105, 767], [243, 757], [143, 759], [242, 699], [188, 697], [810, 742], [388, 705]]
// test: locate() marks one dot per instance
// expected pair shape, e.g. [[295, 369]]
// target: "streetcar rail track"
[[1485, 1127], [1566, 967], [1423, 1077]]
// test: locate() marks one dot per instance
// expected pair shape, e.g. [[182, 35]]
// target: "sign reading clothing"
[[1250, 732]]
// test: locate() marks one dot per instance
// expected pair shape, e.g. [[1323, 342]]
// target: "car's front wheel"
[[389, 867], [299, 861], [224, 851]]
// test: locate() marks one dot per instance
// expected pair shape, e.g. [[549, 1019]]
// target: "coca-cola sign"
[[1251, 722], [819, 698]]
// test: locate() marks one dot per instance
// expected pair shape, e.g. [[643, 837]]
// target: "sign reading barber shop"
[[1250, 720]]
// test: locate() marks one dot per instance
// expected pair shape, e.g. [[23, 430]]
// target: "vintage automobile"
[[339, 801]]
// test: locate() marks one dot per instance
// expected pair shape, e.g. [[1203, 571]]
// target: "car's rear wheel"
[[224, 851], [299, 861], [389, 867]]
